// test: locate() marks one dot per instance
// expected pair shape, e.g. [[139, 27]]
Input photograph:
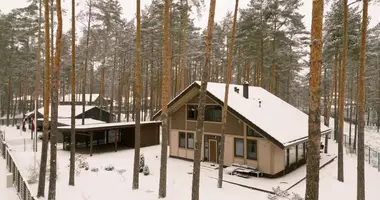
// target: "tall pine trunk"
[[201, 104], [165, 96], [42, 174], [342, 93], [38, 74], [54, 107], [225, 106], [361, 105], [312, 167], [86, 63], [137, 96], [72, 134]]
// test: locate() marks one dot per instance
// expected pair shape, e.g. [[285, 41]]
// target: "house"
[[117, 133], [64, 112], [263, 131], [90, 99]]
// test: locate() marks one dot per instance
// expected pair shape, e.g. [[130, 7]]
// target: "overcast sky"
[[222, 7]]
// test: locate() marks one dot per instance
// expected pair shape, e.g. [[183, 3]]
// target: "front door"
[[212, 145]]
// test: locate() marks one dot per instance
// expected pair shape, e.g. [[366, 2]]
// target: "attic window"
[[192, 112], [252, 133]]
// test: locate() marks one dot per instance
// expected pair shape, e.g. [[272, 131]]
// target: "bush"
[[146, 171]]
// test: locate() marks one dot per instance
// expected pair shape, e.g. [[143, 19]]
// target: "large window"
[[182, 139], [252, 149], [190, 140], [252, 133], [192, 112], [213, 113], [239, 147]]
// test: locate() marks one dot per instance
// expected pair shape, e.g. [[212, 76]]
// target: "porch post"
[[91, 141], [326, 142], [116, 139]]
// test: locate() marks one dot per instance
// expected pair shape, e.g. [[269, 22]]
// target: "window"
[[182, 139], [190, 140], [213, 113], [252, 149], [252, 133], [192, 112], [300, 152], [239, 147]]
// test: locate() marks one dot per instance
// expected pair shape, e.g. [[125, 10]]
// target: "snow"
[[276, 117], [78, 97], [116, 124], [67, 121], [116, 185], [6, 193], [64, 111]]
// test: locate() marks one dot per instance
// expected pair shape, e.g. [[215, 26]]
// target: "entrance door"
[[212, 145]]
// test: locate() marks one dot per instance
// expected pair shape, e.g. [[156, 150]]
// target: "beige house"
[[263, 131]]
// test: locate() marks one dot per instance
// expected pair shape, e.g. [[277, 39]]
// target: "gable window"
[[192, 112], [213, 113], [190, 140], [182, 140], [252, 133], [252, 149], [239, 147]]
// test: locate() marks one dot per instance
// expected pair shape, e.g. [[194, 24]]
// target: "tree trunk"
[[38, 74], [9, 100], [136, 163], [120, 91], [312, 167], [325, 100], [86, 63], [225, 105], [165, 96], [361, 105], [201, 105], [42, 174], [342, 86], [54, 106], [113, 82], [184, 44], [351, 105], [72, 134]]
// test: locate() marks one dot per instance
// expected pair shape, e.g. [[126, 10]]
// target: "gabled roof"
[[78, 97], [275, 119]]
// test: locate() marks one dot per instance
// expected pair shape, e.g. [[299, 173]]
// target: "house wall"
[[270, 158]]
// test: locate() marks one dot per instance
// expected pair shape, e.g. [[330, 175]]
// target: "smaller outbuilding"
[[119, 133]]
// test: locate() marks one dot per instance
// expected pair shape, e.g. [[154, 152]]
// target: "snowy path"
[[6, 193]]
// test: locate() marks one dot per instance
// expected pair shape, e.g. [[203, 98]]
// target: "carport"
[[120, 133]]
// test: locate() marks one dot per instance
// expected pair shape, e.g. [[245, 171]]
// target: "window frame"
[[179, 140], [235, 140], [248, 156], [255, 133], [213, 106], [187, 140], [189, 106]]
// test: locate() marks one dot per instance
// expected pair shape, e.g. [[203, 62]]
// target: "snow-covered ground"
[[6, 193], [117, 184]]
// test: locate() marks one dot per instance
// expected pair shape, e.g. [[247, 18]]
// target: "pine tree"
[[312, 168], [225, 106], [42, 174], [72, 134], [54, 107], [201, 104]]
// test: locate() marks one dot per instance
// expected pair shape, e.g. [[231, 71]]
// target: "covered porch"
[[111, 135]]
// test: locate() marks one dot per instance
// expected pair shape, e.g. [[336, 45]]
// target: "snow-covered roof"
[[67, 121], [280, 120], [78, 97], [27, 98], [64, 111], [105, 125]]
